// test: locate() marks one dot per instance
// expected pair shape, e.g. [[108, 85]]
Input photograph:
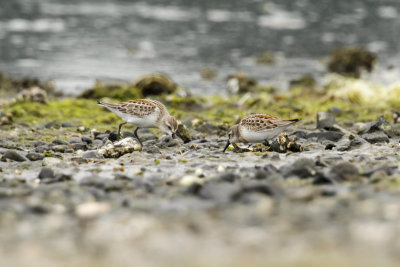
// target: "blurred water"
[[76, 42]]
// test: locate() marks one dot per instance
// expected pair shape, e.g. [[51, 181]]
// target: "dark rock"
[[302, 168], [52, 124], [376, 137], [43, 148], [12, 155], [270, 169], [87, 139], [34, 156], [74, 140], [389, 170], [373, 126], [46, 173], [259, 187], [79, 146], [357, 141], [150, 148], [92, 155], [344, 171], [329, 135], [8, 144], [60, 148], [97, 143], [325, 120], [39, 143], [102, 136], [335, 110], [67, 124], [330, 146], [228, 177], [59, 142], [221, 192], [321, 179], [113, 137], [168, 141]]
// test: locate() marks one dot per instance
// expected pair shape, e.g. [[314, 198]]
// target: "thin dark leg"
[[119, 128], [226, 146], [266, 142], [137, 137]]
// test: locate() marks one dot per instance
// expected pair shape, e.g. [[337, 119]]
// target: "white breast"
[[149, 121], [260, 136]]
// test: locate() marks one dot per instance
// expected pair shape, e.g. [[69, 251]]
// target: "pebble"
[[122, 147], [91, 209], [46, 173], [92, 155], [59, 142], [376, 137], [189, 180], [49, 161], [12, 155], [325, 120], [303, 168], [32, 156], [74, 140]]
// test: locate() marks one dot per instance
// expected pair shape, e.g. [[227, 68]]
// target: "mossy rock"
[[350, 61], [155, 84], [116, 91], [240, 84], [13, 85]]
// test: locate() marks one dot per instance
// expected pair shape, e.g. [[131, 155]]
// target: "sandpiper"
[[257, 128], [143, 113]]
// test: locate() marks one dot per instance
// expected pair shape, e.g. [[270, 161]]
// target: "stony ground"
[[335, 203]]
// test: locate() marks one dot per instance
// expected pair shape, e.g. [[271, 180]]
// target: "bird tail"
[[106, 105]]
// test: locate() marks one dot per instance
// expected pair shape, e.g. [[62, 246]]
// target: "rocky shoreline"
[[76, 194]]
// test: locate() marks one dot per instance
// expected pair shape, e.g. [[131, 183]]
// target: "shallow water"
[[77, 42]]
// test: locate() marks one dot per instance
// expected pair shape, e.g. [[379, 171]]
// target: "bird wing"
[[137, 107], [260, 122]]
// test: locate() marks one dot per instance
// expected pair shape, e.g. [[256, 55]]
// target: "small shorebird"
[[144, 113], [257, 128]]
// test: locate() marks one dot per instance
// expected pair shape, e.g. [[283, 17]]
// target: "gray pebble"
[[13, 156], [376, 137], [74, 140], [92, 155], [32, 156], [59, 142], [46, 173]]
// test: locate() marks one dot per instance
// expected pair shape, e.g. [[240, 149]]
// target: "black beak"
[[227, 144], [173, 135]]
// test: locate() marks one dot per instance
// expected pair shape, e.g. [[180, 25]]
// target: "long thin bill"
[[227, 144]]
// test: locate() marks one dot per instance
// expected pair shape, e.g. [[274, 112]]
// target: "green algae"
[[86, 112]]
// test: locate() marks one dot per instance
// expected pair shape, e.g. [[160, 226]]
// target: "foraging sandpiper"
[[257, 128], [144, 113]]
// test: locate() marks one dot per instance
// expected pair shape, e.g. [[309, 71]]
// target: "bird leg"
[[137, 137], [119, 128], [266, 142]]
